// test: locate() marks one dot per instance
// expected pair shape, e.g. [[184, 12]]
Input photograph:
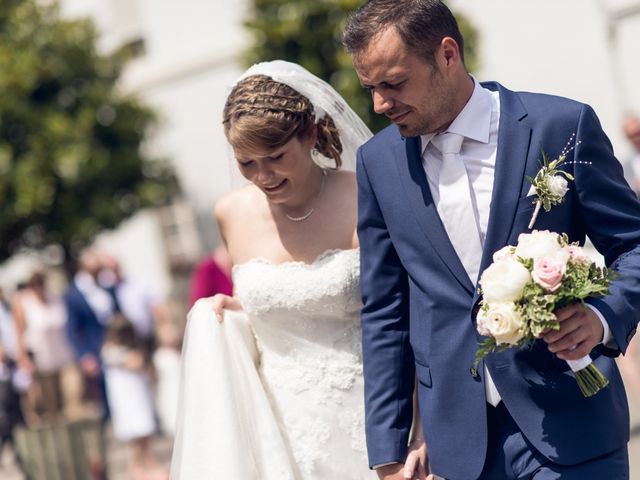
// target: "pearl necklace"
[[308, 214]]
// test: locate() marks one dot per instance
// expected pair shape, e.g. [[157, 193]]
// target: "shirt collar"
[[473, 121]]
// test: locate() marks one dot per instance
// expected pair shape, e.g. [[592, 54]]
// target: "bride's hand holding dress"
[[221, 302]]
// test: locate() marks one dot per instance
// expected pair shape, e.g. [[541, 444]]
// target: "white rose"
[[557, 185], [537, 244], [504, 252], [503, 322], [504, 280]]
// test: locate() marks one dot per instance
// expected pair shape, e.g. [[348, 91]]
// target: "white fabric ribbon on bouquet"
[[581, 363]]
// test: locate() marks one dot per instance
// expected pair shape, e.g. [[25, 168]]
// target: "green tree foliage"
[[71, 146], [309, 32]]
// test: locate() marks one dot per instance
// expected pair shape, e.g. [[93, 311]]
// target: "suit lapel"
[[414, 179], [514, 139], [82, 299]]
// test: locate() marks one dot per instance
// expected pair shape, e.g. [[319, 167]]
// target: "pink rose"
[[548, 272], [577, 254]]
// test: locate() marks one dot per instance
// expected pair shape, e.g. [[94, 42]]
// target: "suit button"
[[474, 372]]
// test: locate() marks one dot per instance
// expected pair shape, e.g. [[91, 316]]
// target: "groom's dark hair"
[[421, 24]]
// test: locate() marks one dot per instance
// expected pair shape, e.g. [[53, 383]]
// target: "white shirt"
[[478, 124], [98, 299], [8, 337], [634, 163], [137, 301]]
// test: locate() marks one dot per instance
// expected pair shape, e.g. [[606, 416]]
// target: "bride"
[[274, 390]]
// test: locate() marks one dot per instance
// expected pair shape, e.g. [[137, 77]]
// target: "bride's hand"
[[416, 466], [222, 302]]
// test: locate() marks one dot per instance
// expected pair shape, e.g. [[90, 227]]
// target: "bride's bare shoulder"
[[237, 203], [346, 183]]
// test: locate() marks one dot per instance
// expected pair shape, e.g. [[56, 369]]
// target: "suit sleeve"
[[611, 213], [388, 359]]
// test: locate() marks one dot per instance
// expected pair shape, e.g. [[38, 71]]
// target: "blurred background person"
[[630, 363], [166, 363], [10, 412], [130, 396], [211, 275], [7, 328], [42, 346], [631, 127], [135, 299], [157, 334], [90, 309]]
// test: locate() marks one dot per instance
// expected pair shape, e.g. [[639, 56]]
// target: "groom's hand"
[[395, 471], [416, 465], [580, 331]]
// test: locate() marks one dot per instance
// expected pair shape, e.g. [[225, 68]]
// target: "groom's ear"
[[449, 52]]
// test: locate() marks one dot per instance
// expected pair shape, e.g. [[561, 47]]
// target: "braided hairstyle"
[[261, 113]]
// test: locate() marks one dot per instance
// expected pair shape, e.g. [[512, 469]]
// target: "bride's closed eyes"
[[249, 163]]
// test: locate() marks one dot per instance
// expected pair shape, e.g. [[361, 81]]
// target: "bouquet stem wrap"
[[590, 379]]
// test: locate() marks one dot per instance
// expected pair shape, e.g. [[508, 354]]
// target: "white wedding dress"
[[276, 393]]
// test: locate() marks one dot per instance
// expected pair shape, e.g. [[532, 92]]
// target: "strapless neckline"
[[319, 260]]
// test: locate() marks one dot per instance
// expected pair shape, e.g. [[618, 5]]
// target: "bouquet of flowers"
[[526, 284]]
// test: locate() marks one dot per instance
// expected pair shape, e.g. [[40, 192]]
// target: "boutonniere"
[[550, 183]]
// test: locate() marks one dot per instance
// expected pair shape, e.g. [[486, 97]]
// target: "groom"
[[440, 191]]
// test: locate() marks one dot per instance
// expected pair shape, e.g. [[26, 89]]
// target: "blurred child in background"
[[130, 396]]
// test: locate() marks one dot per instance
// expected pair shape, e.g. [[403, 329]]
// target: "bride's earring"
[[319, 159]]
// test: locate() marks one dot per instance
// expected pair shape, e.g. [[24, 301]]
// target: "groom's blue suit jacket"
[[84, 331], [418, 314]]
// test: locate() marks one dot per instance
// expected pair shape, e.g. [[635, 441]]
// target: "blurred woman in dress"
[[42, 347]]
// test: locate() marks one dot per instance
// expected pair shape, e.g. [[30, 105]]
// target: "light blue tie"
[[456, 205], [456, 209]]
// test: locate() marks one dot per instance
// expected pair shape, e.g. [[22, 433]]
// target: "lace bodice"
[[317, 301], [306, 321], [328, 285]]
